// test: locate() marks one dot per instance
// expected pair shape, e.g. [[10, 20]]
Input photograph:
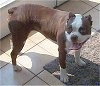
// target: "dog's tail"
[[11, 10]]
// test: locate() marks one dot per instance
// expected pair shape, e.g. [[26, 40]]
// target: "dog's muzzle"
[[77, 46]]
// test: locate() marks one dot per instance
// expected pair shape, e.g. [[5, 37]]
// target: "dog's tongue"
[[76, 46]]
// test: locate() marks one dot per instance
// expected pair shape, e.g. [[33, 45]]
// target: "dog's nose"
[[74, 38]]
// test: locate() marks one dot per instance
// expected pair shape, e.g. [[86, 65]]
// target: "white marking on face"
[[76, 24]]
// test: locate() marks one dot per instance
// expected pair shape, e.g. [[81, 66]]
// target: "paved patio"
[[39, 51]]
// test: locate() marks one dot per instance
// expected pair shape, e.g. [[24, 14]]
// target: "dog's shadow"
[[87, 75], [33, 59]]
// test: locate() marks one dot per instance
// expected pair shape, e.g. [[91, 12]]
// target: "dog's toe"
[[63, 75], [17, 68], [64, 79]]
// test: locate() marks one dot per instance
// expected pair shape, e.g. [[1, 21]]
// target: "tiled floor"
[[38, 51]]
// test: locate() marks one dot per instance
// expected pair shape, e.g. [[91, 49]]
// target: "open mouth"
[[77, 46]]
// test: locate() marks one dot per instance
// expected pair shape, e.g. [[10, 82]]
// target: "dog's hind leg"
[[17, 47], [19, 36], [14, 53]]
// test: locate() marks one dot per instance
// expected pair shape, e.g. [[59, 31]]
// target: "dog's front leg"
[[78, 59], [62, 55], [62, 61]]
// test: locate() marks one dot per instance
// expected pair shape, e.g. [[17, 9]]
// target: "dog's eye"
[[69, 29], [82, 30]]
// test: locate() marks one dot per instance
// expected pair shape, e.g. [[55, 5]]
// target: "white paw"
[[80, 62], [63, 75], [64, 78], [17, 68]]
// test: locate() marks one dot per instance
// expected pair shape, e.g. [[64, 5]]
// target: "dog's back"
[[28, 12], [40, 18]]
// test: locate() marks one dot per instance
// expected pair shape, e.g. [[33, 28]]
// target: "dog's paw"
[[63, 75], [64, 78], [81, 62], [17, 68]]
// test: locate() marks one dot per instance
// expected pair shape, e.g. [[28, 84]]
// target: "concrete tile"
[[9, 77], [75, 6], [50, 46], [93, 32], [6, 45], [59, 2], [98, 7], [91, 2], [96, 1], [95, 18], [29, 44], [35, 59], [4, 59], [37, 37], [36, 81], [49, 78], [32, 33]]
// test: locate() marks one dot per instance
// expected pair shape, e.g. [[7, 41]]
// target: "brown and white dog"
[[69, 31]]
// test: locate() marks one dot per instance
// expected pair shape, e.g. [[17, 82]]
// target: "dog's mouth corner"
[[77, 45]]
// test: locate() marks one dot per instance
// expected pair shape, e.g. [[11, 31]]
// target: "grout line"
[[96, 30], [4, 52], [91, 9], [38, 42], [5, 65], [5, 36], [36, 76], [28, 81], [31, 47], [60, 4], [45, 50], [89, 4], [10, 62], [92, 35], [30, 70], [26, 50], [40, 78], [96, 8], [39, 72], [25, 67]]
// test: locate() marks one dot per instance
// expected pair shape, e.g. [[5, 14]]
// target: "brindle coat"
[[50, 22]]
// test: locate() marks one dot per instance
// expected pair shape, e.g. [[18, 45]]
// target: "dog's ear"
[[71, 15], [11, 10], [89, 18]]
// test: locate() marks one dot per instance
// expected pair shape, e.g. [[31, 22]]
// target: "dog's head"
[[78, 30]]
